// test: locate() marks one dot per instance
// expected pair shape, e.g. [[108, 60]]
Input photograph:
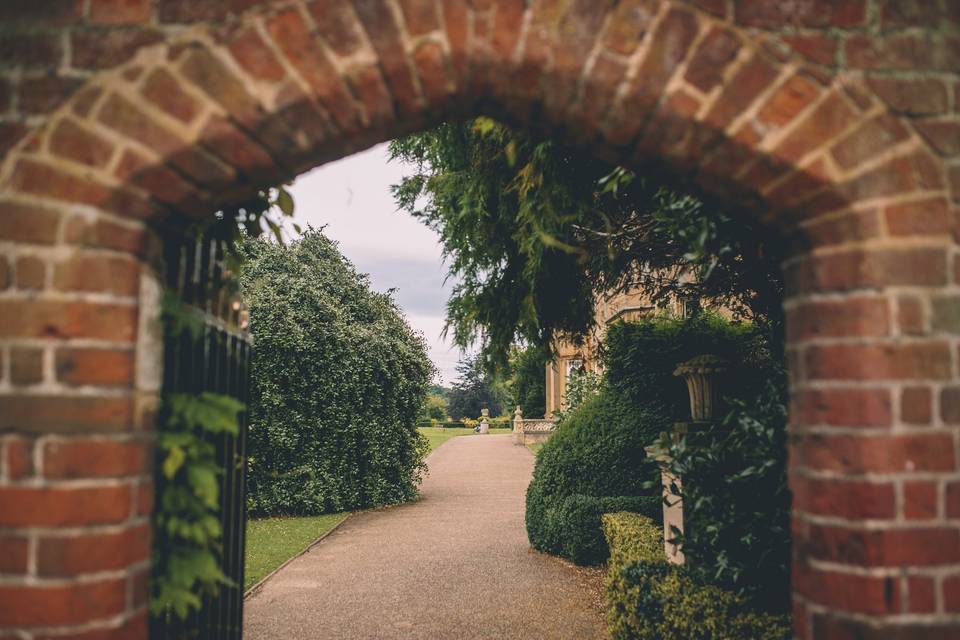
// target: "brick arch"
[[834, 122]]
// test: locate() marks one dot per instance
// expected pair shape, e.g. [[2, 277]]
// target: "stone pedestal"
[[672, 507], [484, 424], [518, 426]]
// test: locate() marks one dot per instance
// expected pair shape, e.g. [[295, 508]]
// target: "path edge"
[[258, 585]]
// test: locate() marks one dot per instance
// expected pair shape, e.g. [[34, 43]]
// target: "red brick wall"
[[836, 122]]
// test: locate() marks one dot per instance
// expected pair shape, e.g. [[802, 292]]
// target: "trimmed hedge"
[[579, 528], [650, 599], [597, 451]]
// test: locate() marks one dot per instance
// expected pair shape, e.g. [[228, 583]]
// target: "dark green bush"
[[579, 526], [736, 500], [338, 381], [597, 451], [649, 599], [642, 356]]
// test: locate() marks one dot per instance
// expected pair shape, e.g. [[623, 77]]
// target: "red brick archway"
[[835, 122]]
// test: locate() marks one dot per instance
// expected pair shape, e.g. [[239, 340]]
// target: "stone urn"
[[484, 423], [701, 375]]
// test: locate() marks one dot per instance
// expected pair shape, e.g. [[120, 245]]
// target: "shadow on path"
[[455, 564]]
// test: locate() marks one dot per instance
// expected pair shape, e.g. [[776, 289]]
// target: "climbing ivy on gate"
[[187, 515]]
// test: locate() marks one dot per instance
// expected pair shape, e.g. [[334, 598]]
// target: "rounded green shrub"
[[597, 451], [338, 381]]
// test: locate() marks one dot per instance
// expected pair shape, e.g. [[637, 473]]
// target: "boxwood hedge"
[[649, 599]]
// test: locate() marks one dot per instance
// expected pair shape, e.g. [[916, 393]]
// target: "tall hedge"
[[338, 381]]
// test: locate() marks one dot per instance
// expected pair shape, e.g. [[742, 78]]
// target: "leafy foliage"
[[648, 599], [527, 384], [581, 386], [597, 451], [640, 358], [186, 557], [474, 390], [736, 500], [533, 230], [339, 379], [435, 408]]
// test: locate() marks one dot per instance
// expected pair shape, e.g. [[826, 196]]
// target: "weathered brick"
[[843, 498], [788, 100], [848, 270], [338, 25], [65, 414], [868, 140], [123, 116], [51, 13], [26, 365], [6, 278], [927, 360], [43, 94], [817, 47], [946, 314], [211, 76], [819, 127], [76, 554], [942, 135], [922, 597], [120, 11], [118, 275], [911, 316], [912, 96], [233, 146], [917, 451], [74, 603], [853, 407], [102, 48], [747, 84], [254, 56], [920, 500], [669, 46], [19, 457], [950, 405], [924, 218], [815, 13], [163, 90], [31, 273], [846, 591], [106, 234], [30, 50], [101, 458], [40, 178], [715, 52], [429, 60], [292, 36], [916, 405], [56, 507], [862, 317], [94, 366], [420, 16], [918, 546], [64, 320], [70, 140], [14, 557]]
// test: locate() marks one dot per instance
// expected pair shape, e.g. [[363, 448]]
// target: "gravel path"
[[455, 564]]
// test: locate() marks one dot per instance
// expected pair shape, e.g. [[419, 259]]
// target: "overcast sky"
[[352, 198]]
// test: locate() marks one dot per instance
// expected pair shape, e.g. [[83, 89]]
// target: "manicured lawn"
[[272, 541], [437, 436], [535, 447]]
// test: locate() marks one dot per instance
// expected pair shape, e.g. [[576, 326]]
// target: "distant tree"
[[527, 382], [435, 408], [474, 389]]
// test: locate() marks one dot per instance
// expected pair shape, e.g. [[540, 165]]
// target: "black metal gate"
[[214, 359]]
